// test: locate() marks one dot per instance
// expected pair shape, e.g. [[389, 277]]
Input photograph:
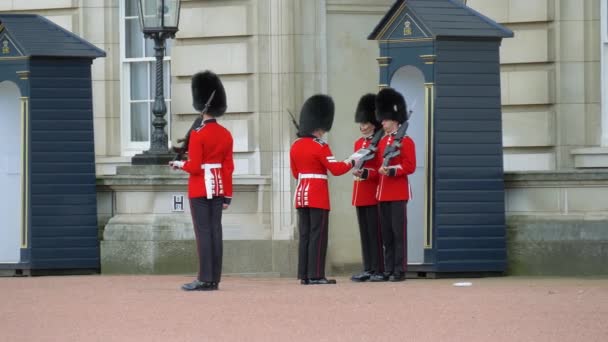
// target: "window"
[[138, 81]]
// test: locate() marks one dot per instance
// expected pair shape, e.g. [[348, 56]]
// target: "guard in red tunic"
[[210, 166], [310, 159], [393, 188], [364, 193]]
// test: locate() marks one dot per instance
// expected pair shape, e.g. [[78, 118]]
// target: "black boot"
[[360, 277], [378, 277], [397, 276], [321, 281], [198, 285]]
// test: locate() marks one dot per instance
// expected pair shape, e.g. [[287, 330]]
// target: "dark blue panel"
[[468, 102], [468, 91], [470, 207], [467, 79], [443, 160], [63, 210], [65, 231], [458, 55], [69, 263], [65, 253], [471, 254], [60, 104], [469, 195], [50, 136], [471, 242], [445, 46], [469, 184], [499, 265], [50, 200], [65, 242], [46, 189], [466, 114], [46, 222], [471, 149], [470, 219], [468, 138], [50, 93], [472, 231], [472, 126], [68, 166], [63, 115], [72, 146], [467, 67], [58, 157], [62, 125]]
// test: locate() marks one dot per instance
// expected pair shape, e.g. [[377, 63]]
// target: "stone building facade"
[[272, 55]]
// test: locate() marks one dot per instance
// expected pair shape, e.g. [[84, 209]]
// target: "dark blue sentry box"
[[48, 202], [444, 58]]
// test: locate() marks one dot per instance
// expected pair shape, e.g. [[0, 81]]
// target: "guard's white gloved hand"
[[177, 164]]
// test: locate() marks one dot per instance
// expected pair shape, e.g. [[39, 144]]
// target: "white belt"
[[209, 177], [312, 176], [211, 166]]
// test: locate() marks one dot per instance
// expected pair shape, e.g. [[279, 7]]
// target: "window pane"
[[149, 47], [131, 8], [139, 81], [168, 46], [166, 79], [140, 123], [134, 39]]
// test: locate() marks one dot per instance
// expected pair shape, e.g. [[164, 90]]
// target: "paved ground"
[[152, 308]]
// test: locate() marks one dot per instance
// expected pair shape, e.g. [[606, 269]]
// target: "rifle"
[[369, 152], [395, 148], [293, 120], [182, 150]]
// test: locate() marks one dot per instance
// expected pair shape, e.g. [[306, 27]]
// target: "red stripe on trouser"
[[198, 251], [320, 246], [380, 243], [404, 236]]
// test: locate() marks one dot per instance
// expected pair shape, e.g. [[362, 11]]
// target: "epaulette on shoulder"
[[199, 127], [319, 141]]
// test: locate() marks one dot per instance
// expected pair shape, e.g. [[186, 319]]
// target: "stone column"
[[291, 67]]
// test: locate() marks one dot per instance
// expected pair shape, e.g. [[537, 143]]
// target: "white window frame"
[[129, 147]]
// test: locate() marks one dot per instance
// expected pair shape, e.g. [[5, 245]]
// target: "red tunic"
[[210, 155], [364, 188], [310, 158], [395, 187]]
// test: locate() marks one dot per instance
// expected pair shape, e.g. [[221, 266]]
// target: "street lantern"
[[159, 20]]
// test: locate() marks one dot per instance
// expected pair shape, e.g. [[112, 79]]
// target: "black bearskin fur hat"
[[366, 110], [203, 85], [390, 105], [317, 113]]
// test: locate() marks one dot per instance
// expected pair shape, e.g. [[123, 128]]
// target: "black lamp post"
[[159, 20]]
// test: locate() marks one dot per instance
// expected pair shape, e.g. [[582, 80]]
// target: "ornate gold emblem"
[[5, 48], [407, 28]]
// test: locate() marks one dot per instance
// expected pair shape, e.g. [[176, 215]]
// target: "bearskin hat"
[[366, 110], [390, 105], [317, 113], [203, 85]]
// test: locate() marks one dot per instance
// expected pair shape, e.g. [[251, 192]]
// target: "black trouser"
[[312, 225], [393, 218], [371, 238], [207, 220]]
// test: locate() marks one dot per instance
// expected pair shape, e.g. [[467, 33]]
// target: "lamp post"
[[159, 20]]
